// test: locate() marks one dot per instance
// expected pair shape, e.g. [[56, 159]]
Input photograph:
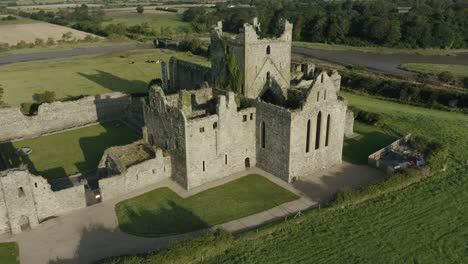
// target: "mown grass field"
[[162, 212], [380, 50], [9, 253], [424, 223], [71, 152], [156, 21], [370, 139], [434, 69], [85, 75]]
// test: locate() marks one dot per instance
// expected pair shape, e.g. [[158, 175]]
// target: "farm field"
[[434, 69], [424, 223], [156, 20], [85, 75], [9, 253], [379, 50], [71, 152], [29, 31], [162, 212], [18, 20]]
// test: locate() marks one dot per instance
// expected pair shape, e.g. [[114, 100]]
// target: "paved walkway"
[[90, 234]]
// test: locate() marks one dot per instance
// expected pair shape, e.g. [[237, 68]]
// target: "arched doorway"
[[247, 162], [24, 223]]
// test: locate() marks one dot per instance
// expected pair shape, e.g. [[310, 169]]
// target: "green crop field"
[[9, 253], [70, 152], [434, 69], [85, 75], [424, 223], [156, 21], [163, 212]]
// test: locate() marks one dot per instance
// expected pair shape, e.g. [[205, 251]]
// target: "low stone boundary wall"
[[59, 116], [136, 177], [374, 159]]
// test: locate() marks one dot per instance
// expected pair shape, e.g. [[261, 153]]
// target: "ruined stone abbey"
[[253, 107]]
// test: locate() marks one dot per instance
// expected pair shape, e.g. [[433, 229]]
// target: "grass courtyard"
[[424, 223], [85, 75], [156, 21], [162, 212], [9, 253], [71, 152], [370, 139]]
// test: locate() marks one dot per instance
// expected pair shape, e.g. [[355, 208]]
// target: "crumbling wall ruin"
[[27, 199], [185, 75], [59, 116]]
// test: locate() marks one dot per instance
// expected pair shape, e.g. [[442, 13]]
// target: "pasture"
[[424, 223], [9, 253], [71, 152], [28, 30], [434, 69], [156, 19], [162, 212], [85, 75]]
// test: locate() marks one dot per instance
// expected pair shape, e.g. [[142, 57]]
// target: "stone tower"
[[265, 63]]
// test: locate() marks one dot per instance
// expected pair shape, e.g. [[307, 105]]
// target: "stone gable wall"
[[59, 116], [186, 75]]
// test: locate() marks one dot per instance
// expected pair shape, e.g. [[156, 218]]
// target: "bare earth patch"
[[12, 34]]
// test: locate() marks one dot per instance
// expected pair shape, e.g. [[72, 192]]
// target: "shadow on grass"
[[356, 150], [169, 220], [115, 83]]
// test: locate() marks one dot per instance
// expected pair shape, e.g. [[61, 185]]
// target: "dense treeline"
[[429, 23], [406, 92]]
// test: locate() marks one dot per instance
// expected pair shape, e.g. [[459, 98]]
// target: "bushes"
[[192, 45], [45, 97], [435, 152], [364, 116], [405, 92], [445, 76]]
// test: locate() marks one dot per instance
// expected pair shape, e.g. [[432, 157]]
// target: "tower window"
[[268, 76], [308, 137], [263, 134], [321, 78], [215, 125], [327, 135], [21, 192], [318, 96], [244, 118], [251, 116], [202, 129], [225, 159], [203, 165], [317, 133], [268, 50]]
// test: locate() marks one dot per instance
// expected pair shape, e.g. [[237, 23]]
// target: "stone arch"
[[317, 133]]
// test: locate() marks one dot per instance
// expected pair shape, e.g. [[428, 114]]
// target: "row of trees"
[[429, 23]]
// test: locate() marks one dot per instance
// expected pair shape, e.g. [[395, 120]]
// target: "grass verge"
[[379, 50], [162, 212], [435, 69], [9, 253], [71, 152]]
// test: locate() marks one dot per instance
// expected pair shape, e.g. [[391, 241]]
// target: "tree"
[[45, 97], [140, 9], [445, 76]]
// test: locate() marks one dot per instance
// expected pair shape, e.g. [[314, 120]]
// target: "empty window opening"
[[325, 95], [225, 159], [327, 135], [268, 50], [244, 118], [247, 162], [317, 133], [251, 116], [176, 144], [202, 129], [263, 134], [268, 76], [308, 137], [35, 184], [318, 96], [203, 165], [321, 78], [215, 125], [21, 192], [154, 171]]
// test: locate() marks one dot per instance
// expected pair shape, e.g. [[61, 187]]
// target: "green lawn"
[[434, 69], [9, 253], [380, 50], [162, 212], [71, 152], [424, 223], [370, 139], [85, 75], [156, 21]]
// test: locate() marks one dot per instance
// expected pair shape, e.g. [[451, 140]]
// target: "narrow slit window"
[[268, 50], [318, 96], [244, 118], [204, 166], [21, 192], [251, 116], [317, 133], [202, 129], [263, 134], [308, 137], [327, 135], [225, 159]]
